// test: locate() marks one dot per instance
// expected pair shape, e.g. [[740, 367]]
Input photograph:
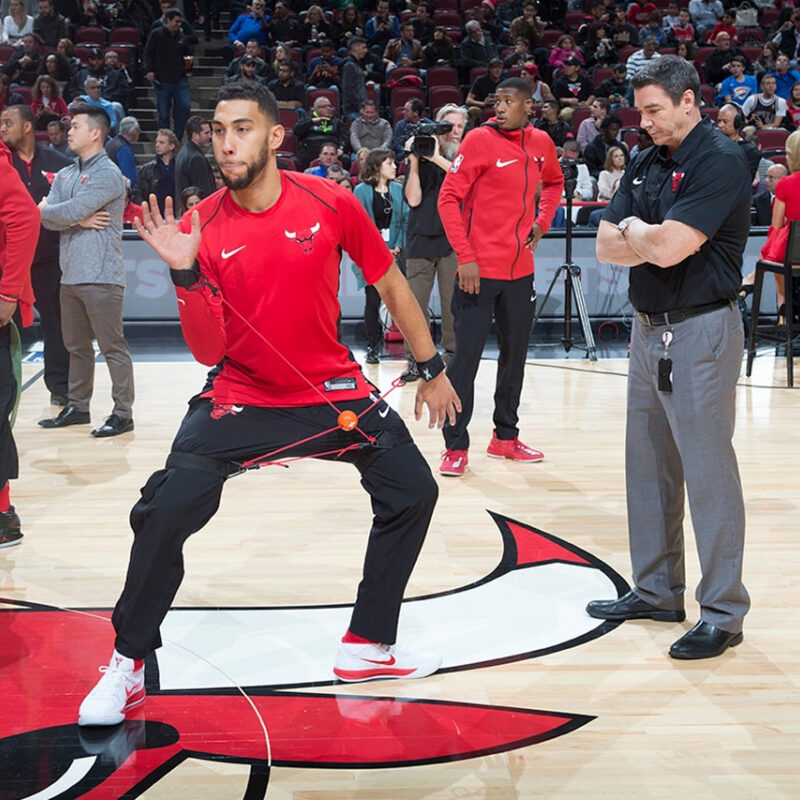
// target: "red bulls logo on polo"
[[225, 685], [304, 237]]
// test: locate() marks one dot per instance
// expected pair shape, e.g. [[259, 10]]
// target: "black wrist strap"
[[431, 368], [186, 278]]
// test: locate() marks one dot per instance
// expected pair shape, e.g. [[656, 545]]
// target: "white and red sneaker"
[[454, 462], [513, 449], [370, 662], [120, 689]]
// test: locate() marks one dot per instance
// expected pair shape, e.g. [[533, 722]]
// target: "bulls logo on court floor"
[[225, 685]]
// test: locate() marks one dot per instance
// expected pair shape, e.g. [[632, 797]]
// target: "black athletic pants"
[[46, 279], [372, 320], [179, 500], [9, 463], [512, 304]]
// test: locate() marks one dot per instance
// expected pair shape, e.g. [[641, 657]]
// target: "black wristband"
[[186, 278], [432, 367]]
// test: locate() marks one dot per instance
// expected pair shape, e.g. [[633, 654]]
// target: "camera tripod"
[[572, 286]]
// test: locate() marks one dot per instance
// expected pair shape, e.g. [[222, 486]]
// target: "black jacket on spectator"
[[50, 29], [288, 30], [713, 68], [155, 178], [192, 168], [609, 86], [186, 27], [762, 208], [312, 132], [477, 54], [163, 55], [753, 156], [354, 85], [24, 75], [557, 131], [263, 71], [594, 154], [295, 91]]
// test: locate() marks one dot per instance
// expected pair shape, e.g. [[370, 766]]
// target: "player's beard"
[[254, 169]]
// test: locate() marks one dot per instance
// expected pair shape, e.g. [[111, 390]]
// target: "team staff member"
[[257, 401], [680, 220], [19, 232], [488, 207]]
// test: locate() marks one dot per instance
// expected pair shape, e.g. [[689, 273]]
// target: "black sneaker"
[[411, 373], [372, 356], [10, 534]]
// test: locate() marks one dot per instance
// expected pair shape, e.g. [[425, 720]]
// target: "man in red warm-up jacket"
[[19, 233], [488, 207]]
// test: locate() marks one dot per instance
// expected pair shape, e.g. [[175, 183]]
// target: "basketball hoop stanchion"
[[572, 279]]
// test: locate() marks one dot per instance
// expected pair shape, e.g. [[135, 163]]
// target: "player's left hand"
[[177, 249], [7, 310], [441, 399], [535, 235]]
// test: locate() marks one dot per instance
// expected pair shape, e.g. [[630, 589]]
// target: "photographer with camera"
[[430, 149]]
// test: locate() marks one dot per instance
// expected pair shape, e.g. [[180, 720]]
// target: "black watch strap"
[[431, 368], [186, 278]]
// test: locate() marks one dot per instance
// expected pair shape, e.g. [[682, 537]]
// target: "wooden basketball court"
[[722, 728]]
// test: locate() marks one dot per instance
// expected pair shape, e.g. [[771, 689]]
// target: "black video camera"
[[423, 133]]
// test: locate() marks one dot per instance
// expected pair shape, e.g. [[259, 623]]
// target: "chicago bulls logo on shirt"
[[677, 177], [304, 237]]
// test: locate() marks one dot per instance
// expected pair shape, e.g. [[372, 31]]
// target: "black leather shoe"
[[69, 416], [631, 606], [113, 426], [704, 641]]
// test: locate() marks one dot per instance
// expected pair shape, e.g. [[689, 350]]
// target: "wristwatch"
[[623, 225]]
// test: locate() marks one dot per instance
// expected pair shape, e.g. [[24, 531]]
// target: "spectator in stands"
[[91, 14], [788, 37], [590, 127], [718, 63], [382, 198], [318, 127], [66, 49], [424, 26], [762, 209], [785, 76], [622, 32], [519, 56], [616, 87], [93, 97], [737, 87], [164, 63], [120, 150], [247, 71], [766, 61], [552, 125], [572, 89], [683, 30], [654, 28], [49, 25], [599, 50], [412, 115], [189, 198], [327, 158], [158, 176], [315, 28], [254, 25], [792, 121], [186, 26], [23, 67], [370, 130], [354, 77], [47, 103], [57, 133], [477, 49], [324, 70], [672, 18], [639, 13], [16, 24], [611, 174], [263, 71], [486, 14], [283, 27], [584, 185], [540, 91], [685, 50], [643, 141], [290, 93], [509, 10], [766, 109], [405, 51], [192, 167], [725, 24], [564, 50], [705, 15], [481, 93], [638, 59], [527, 26], [381, 28], [596, 151], [115, 79], [439, 52]]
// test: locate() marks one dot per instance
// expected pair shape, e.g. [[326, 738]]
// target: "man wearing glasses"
[[319, 127]]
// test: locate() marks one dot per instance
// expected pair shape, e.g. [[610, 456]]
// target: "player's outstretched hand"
[[179, 250], [441, 399]]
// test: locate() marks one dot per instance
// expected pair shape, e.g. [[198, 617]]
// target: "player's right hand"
[[440, 397]]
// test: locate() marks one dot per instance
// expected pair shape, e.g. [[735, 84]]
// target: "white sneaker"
[[120, 688], [369, 662]]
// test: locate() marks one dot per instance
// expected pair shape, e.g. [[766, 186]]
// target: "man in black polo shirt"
[[680, 220]]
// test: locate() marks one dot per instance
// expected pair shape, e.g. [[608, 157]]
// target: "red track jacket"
[[488, 199]]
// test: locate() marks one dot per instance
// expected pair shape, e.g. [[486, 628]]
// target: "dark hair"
[[356, 40], [609, 121], [549, 103], [289, 64], [61, 126], [328, 44], [171, 13], [515, 85], [195, 125], [673, 74], [372, 167], [739, 60], [25, 113], [368, 102], [188, 192], [329, 143], [495, 62], [417, 105], [252, 90], [52, 82], [98, 118]]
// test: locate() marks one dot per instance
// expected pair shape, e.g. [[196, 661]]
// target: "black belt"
[[679, 315]]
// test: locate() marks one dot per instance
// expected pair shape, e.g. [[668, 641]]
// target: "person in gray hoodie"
[[85, 205]]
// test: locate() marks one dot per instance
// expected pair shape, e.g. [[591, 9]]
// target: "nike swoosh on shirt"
[[502, 164], [637, 181], [387, 663], [225, 254]]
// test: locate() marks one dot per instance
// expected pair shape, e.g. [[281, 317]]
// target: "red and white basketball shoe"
[[120, 689], [454, 462], [512, 449], [370, 662]]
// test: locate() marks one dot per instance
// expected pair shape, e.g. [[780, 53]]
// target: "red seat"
[[42, 136], [126, 54], [711, 112], [468, 5], [329, 93], [447, 5], [625, 52], [601, 74], [772, 138], [82, 52], [287, 117], [751, 52], [574, 19], [702, 53], [630, 117], [630, 137], [551, 36], [90, 36], [777, 158], [289, 143], [769, 16], [579, 115], [124, 36], [448, 19], [455, 34], [707, 92], [476, 72], [399, 72], [6, 52], [402, 94], [441, 76], [25, 93], [439, 96]]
